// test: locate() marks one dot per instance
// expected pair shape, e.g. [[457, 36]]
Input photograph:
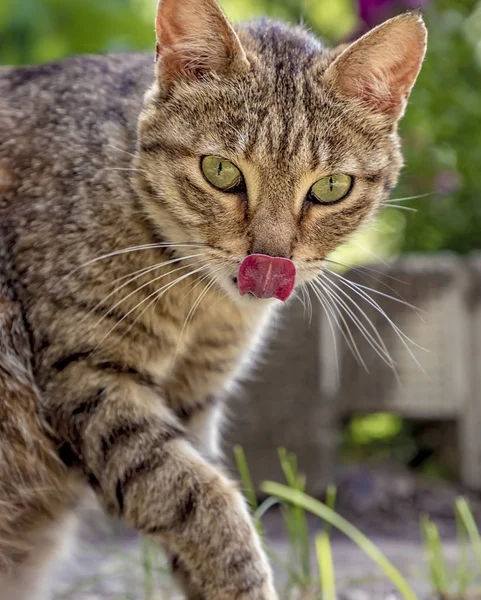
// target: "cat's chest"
[[208, 351]]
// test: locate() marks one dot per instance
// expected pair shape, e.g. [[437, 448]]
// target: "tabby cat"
[[146, 238]]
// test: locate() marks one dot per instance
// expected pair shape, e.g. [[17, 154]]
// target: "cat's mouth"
[[265, 276]]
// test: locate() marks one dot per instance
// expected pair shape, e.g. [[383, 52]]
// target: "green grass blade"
[[438, 568], [324, 512], [462, 573], [289, 524], [245, 476], [469, 523], [289, 467], [330, 502], [326, 566], [248, 486], [265, 507], [295, 517]]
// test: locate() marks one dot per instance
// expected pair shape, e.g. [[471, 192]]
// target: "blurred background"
[[439, 212], [441, 130], [399, 438]]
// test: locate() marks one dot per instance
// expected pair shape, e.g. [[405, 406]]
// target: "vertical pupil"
[[331, 183], [219, 169]]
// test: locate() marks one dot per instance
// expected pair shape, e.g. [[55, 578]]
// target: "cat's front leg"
[[186, 581], [140, 461], [216, 552]]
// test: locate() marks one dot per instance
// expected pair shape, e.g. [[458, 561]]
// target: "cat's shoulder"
[[49, 108], [79, 75]]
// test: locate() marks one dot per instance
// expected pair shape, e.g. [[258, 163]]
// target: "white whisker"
[[329, 313], [300, 294], [120, 150], [190, 314], [406, 198], [137, 289], [363, 268], [330, 307], [354, 284], [380, 310], [309, 306], [376, 342], [155, 300], [306, 302], [120, 169], [137, 275], [408, 208], [369, 251], [162, 291], [404, 339], [152, 246]]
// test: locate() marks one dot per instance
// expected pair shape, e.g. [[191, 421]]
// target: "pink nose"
[[266, 276]]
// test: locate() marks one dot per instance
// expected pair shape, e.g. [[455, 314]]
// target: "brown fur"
[[105, 381]]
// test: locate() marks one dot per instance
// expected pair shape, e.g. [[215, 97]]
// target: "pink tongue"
[[266, 276]]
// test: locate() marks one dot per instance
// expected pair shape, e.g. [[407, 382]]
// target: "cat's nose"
[[275, 248]]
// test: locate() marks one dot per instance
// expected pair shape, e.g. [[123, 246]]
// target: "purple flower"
[[373, 12], [448, 181]]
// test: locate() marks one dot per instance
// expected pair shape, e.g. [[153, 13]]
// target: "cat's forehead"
[[287, 127], [279, 115], [280, 45]]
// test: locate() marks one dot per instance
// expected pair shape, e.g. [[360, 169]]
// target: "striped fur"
[[120, 320]]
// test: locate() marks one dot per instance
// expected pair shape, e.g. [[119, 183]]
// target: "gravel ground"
[[110, 567]]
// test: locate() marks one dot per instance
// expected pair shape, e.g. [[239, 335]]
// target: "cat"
[[153, 216]]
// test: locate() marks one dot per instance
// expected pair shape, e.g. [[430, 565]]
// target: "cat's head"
[[260, 141]]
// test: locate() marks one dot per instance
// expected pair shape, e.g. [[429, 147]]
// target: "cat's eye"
[[331, 189], [221, 173]]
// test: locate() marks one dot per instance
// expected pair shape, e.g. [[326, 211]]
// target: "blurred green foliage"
[[441, 131], [442, 134]]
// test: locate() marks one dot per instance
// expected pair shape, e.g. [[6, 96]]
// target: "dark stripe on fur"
[[178, 568], [120, 435], [257, 583], [373, 177], [239, 561], [154, 461], [188, 504], [65, 361], [120, 496], [89, 406], [142, 378], [152, 147], [68, 455], [186, 412], [175, 563], [147, 465], [110, 366]]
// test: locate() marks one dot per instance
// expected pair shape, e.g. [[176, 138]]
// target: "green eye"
[[331, 189], [221, 173]]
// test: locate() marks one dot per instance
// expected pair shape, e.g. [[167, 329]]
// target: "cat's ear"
[[194, 38], [381, 67]]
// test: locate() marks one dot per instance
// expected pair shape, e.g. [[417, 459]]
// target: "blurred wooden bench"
[[433, 383], [296, 398]]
